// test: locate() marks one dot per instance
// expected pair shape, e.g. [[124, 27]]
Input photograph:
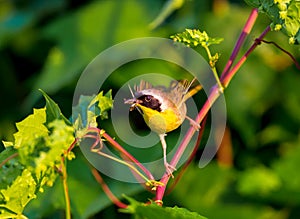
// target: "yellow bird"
[[163, 109]]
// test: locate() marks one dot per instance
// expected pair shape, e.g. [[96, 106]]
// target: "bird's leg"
[[169, 168], [193, 123]]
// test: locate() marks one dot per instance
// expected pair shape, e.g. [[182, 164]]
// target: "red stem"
[[227, 78], [8, 159], [214, 94], [283, 50], [191, 157], [118, 147], [130, 157], [106, 189], [204, 110], [72, 145], [246, 30]]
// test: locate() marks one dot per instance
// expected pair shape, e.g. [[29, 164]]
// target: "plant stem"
[[214, 94], [191, 157], [8, 159], [213, 68], [283, 50], [227, 78], [106, 189], [246, 30], [64, 177], [212, 97], [128, 155], [130, 166]]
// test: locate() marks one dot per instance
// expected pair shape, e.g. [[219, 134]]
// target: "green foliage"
[[169, 7], [15, 197], [262, 101], [52, 110], [87, 196], [285, 169], [34, 159], [194, 38], [88, 109], [141, 211], [285, 16], [90, 31], [39, 147], [250, 182], [216, 193]]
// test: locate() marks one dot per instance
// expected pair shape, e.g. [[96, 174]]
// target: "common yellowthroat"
[[163, 109]]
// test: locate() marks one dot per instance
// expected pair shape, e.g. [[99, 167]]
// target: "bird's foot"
[[170, 169]]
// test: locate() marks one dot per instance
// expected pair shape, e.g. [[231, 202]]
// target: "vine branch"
[[214, 94]]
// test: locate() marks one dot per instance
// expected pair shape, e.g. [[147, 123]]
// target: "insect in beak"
[[133, 103]]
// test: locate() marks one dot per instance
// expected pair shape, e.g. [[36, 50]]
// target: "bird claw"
[[193, 123], [170, 169]]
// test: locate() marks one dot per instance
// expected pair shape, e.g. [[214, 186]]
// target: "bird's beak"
[[133, 103], [130, 101]]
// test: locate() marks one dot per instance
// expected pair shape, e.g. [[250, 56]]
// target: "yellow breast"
[[161, 122]]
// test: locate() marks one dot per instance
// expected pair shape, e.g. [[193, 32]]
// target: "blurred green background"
[[47, 44]]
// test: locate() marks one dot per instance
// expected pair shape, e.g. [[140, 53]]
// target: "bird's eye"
[[149, 101], [147, 98]]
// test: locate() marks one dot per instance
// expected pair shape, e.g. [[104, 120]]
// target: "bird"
[[163, 108]]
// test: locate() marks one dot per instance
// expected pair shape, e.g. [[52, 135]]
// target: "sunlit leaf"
[[285, 16], [16, 196], [140, 211], [89, 108], [86, 194], [33, 160], [31, 129], [194, 38], [52, 110]]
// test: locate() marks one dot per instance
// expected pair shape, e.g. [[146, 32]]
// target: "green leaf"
[[87, 196], [253, 3], [9, 151], [80, 117], [7, 143], [250, 182], [285, 166], [33, 161], [16, 196], [212, 192], [10, 167], [104, 103], [89, 108], [274, 134], [52, 110], [194, 38], [285, 16], [97, 31], [50, 154], [142, 211], [31, 129]]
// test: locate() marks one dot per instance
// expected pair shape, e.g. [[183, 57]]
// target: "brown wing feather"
[[143, 86], [178, 90]]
